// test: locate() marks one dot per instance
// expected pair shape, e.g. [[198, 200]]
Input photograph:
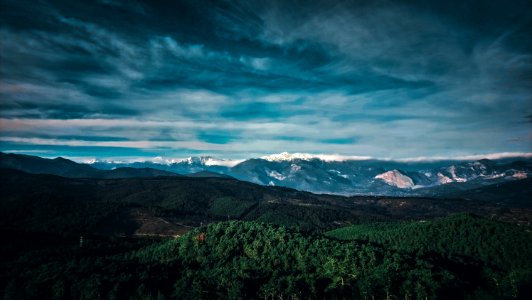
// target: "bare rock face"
[[397, 179]]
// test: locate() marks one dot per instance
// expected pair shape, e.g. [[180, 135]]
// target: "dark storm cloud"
[[214, 76]]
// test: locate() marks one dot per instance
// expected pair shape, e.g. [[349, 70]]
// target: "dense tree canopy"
[[249, 260]]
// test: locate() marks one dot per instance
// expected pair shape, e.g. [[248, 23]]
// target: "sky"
[[240, 79]]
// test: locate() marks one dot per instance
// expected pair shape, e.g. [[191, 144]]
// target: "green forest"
[[458, 257]]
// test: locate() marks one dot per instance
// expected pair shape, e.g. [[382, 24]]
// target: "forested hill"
[[500, 244], [272, 248], [254, 260]]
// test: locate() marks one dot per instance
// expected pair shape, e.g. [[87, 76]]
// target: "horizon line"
[[283, 156]]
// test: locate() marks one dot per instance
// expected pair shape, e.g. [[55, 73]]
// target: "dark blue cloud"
[[352, 77]]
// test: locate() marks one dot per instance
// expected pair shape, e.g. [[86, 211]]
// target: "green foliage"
[[492, 244], [248, 260], [458, 257], [500, 244], [306, 218]]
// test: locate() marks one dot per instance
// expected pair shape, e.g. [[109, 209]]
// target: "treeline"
[[463, 237], [499, 244], [252, 260]]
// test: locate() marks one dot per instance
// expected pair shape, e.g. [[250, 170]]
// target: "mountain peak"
[[64, 160], [286, 156], [211, 161], [396, 178], [197, 159]]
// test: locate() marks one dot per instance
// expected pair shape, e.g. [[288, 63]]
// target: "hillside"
[[58, 166], [271, 248], [462, 234], [258, 261], [206, 174], [444, 179], [67, 168], [515, 193], [38, 202], [322, 174]]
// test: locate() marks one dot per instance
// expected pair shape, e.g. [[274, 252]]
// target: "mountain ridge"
[[301, 172], [64, 167]]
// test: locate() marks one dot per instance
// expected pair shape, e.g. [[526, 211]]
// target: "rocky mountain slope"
[[318, 174]]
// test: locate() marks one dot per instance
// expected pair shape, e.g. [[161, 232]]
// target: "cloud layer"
[[238, 79]]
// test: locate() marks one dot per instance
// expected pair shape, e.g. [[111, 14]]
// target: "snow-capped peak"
[[222, 162], [193, 160], [90, 161], [196, 160], [209, 161], [286, 156]]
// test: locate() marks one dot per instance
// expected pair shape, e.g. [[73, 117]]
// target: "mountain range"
[[361, 176], [317, 174]]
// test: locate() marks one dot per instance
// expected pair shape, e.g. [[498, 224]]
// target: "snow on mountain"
[[198, 160], [165, 161], [495, 176], [294, 168], [397, 179], [344, 175], [94, 161], [452, 170], [222, 162], [520, 175], [193, 160], [442, 179], [90, 161], [339, 173], [286, 156], [276, 175]]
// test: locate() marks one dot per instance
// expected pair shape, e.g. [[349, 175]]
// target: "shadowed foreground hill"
[[61, 205], [42, 218]]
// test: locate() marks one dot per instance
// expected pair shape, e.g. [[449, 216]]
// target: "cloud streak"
[[248, 78]]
